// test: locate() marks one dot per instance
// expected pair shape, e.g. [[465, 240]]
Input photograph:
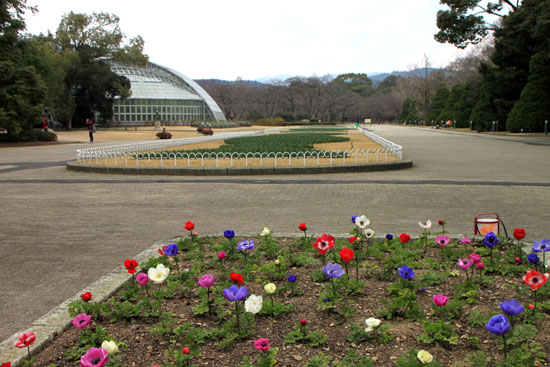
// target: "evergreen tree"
[[410, 110], [438, 104], [449, 112], [467, 101], [533, 107]]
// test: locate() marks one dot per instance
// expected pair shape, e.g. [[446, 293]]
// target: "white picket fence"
[[295, 159]]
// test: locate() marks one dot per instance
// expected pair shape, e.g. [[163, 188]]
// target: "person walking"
[[91, 129]]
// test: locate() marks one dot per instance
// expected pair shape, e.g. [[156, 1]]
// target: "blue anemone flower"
[[542, 245], [490, 240], [405, 272], [498, 324], [511, 308], [229, 234], [171, 250]]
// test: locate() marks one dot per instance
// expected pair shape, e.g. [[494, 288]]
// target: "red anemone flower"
[[7, 364], [131, 265], [86, 296], [346, 254], [352, 239], [324, 243], [185, 350], [519, 233], [404, 237], [535, 280], [189, 225], [25, 339], [161, 250], [237, 278], [302, 227]]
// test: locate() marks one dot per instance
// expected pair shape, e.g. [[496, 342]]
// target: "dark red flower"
[[303, 322], [346, 254], [519, 233], [517, 260], [324, 243], [185, 350], [131, 265], [441, 222], [86, 296], [237, 278], [189, 225], [403, 237], [302, 227]]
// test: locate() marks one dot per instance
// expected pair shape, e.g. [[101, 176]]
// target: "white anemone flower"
[[110, 346], [369, 233], [426, 225], [362, 221], [253, 304], [158, 274], [265, 232], [372, 324]]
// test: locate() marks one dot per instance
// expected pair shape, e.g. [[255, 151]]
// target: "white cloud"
[[253, 39]]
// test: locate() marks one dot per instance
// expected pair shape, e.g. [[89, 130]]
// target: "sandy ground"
[[357, 141], [138, 134]]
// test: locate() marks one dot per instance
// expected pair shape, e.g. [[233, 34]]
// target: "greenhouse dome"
[[162, 94]]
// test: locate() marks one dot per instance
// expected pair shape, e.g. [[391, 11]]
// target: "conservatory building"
[[162, 94]]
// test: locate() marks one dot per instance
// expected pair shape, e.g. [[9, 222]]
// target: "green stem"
[[237, 314], [333, 287], [505, 347], [208, 299]]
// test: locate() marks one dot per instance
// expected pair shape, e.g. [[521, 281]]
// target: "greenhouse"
[[162, 94]]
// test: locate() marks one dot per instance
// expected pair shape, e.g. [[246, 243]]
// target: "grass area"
[[299, 142]]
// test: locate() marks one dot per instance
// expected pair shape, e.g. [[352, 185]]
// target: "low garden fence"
[[231, 160], [383, 142]]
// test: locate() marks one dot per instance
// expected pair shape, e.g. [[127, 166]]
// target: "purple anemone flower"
[[246, 245], [498, 324], [291, 278], [542, 245], [389, 236], [171, 250], [511, 308], [490, 240], [82, 320], [229, 234], [234, 293], [94, 357], [353, 218], [333, 270], [405, 272], [533, 258]]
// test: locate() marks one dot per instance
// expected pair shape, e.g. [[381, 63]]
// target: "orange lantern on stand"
[[487, 224]]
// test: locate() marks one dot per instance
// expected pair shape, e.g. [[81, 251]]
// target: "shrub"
[[271, 121], [164, 135]]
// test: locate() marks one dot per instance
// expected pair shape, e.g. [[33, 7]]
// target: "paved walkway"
[[61, 230]]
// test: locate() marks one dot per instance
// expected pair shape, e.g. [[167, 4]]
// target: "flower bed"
[[317, 301]]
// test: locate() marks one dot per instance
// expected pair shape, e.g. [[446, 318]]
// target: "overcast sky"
[[255, 39]]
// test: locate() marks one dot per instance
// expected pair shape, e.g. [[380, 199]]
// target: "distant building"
[[162, 94]]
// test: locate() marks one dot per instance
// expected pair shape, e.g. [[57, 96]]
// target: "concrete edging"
[[58, 320], [74, 166]]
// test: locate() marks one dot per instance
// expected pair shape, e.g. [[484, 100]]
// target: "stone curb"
[[74, 166], [58, 320]]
